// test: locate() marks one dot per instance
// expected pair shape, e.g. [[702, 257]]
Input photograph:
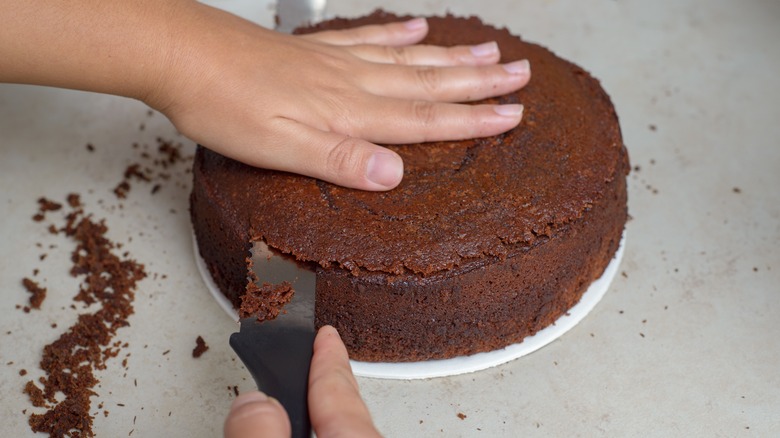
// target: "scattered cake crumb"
[[168, 155], [37, 293], [44, 206], [461, 415], [121, 189], [200, 347], [74, 200]]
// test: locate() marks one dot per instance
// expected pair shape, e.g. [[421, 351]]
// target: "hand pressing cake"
[[483, 243]]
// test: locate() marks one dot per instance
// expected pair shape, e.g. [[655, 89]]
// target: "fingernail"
[[509, 110], [247, 398], [385, 169], [416, 23], [518, 67], [484, 49]]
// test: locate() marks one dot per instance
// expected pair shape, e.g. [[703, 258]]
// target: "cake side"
[[484, 306], [221, 230]]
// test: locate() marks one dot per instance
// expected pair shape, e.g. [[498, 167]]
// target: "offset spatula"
[[278, 352]]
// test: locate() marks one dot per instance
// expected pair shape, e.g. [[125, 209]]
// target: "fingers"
[[345, 155], [398, 121], [255, 415], [335, 405], [448, 84], [480, 54], [391, 34], [330, 156], [391, 44]]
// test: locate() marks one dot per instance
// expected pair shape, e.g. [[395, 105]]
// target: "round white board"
[[462, 364]]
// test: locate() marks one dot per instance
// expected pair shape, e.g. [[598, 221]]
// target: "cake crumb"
[[36, 395], [37, 293], [200, 347], [44, 206], [74, 200], [121, 189], [461, 415], [265, 302]]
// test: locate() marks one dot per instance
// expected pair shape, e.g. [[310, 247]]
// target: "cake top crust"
[[459, 201]]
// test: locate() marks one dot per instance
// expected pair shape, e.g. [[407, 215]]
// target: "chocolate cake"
[[483, 243]]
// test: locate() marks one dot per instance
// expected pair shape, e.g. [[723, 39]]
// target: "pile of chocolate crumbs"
[[108, 288], [69, 363]]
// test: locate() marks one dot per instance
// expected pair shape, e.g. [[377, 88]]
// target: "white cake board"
[[463, 364]]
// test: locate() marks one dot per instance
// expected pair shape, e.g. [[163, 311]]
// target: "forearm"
[[108, 46]]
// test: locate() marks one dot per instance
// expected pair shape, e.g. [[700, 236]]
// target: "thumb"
[[329, 156], [255, 415]]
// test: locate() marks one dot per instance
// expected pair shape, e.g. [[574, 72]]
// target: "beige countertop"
[[684, 343]]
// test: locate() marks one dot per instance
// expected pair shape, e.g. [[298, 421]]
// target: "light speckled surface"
[[683, 344]]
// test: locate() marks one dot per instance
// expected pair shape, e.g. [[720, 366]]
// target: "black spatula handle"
[[279, 360]]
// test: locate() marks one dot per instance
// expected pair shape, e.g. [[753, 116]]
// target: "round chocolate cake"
[[483, 243]]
